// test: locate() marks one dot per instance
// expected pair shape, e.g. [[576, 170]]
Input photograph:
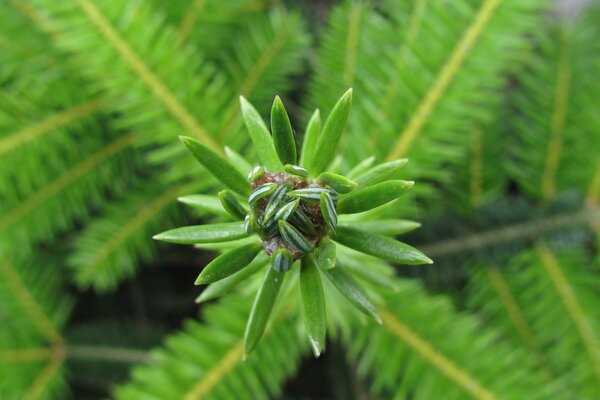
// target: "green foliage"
[[48, 115], [553, 118], [428, 115], [440, 353], [494, 102], [109, 250], [313, 304], [33, 310], [205, 359], [541, 295], [275, 197]]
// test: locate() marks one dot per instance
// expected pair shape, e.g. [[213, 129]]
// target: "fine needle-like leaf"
[[379, 246], [206, 203], [372, 196], [262, 307], [386, 227], [339, 183], [309, 145], [218, 166], [380, 173], [326, 254], [232, 205], [361, 167], [283, 135], [225, 285], [261, 138], [328, 210], [212, 233], [237, 160], [282, 260], [332, 131], [293, 237], [313, 304], [228, 263], [353, 292]]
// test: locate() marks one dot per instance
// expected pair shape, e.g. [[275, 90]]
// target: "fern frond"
[[161, 79], [268, 51], [159, 91], [33, 311], [419, 82], [548, 304], [497, 232], [479, 179], [108, 251], [556, 122], [43, 213], [205, 360], [209, 24], [49, 116], [459, 358]]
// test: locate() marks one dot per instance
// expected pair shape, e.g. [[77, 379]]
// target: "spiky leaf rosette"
[[290, 212]]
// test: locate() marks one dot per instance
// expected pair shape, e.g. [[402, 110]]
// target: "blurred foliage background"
[[495, 102]]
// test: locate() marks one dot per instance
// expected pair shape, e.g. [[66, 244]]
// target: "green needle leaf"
[[313, 304], [232, 205], [284, 213], [339, 183], [225, 285], [387, 227], [218, 166], [261, 308], [312, 194], [309, 145], [381, 172], [295, 170], [282, 260], [328, 210], [276, 200], [380, 246], [256, 173], [326, 254], [209, 204], [283, 135], [261, 138], [302, 221], [293, 238], [237, 160], [332, 131], [372, 196], [361, 167], [250, 224], [228, 263], [212, 233], [261, 192], [353, 292]]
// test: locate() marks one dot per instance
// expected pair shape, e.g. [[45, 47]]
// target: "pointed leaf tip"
[[228, 263], [311, 136], [327, 143], [282, 132], [260, 135], [372, 196], [315, 348], [380, 246], [262, 308], [211, 233], [313, 304]]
